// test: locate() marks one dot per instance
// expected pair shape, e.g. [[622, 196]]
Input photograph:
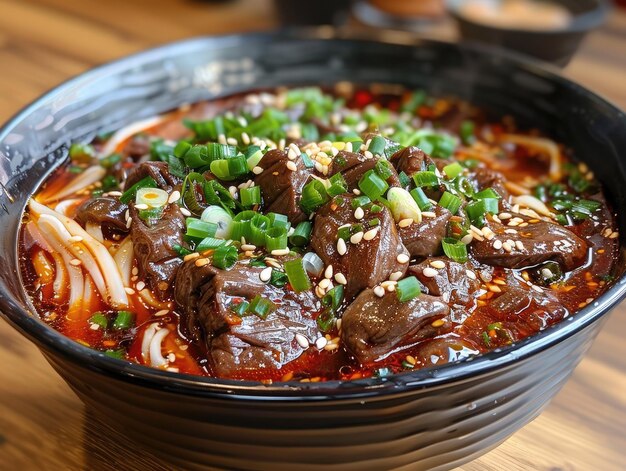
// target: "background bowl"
[[555, 46], [428, 419]]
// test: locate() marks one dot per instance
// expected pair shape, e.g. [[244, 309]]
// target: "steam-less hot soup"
[[303, 235]]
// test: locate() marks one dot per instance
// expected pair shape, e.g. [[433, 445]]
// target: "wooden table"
[[42, 423]]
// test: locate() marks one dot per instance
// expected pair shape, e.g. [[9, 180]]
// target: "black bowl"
[[556, 46], [428, 419]]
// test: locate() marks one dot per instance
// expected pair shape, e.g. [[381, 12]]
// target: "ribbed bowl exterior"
[[423, 429], [427, 419]]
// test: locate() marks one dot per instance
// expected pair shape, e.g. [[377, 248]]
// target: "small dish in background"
[[553, 35]]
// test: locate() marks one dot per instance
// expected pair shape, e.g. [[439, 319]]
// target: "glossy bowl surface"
[[428, 419], [555, 46]]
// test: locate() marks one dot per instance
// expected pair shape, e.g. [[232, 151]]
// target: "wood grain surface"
[[43, 426]]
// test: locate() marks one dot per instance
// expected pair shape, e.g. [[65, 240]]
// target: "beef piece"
[[137, 147], [370, 261], [540, 242], [373, 327], [103, 211], [159, 171], [452, 282], [236, 344], [424, 239], [352, 166], [411, 160], [281, 188], [487, 178], [153, 247]]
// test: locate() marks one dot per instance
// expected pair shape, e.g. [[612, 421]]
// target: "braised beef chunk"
[[103, 211], [207, 295], [281, 188], [352, 166], [159, 171], [424, 239], [485, 177], [455, 282], [366, 263], [411, 160], [373, 327], [153, 247], [530, 245], [137, 147]]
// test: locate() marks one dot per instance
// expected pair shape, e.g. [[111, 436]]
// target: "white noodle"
[[147, 296], [124, 259], [90, 176], [59, 284], [95, 231], [533, 203], [64, 206], [541, 144], [53, 227], [116, 295], [126, 132], [156, 358], [148, 334]]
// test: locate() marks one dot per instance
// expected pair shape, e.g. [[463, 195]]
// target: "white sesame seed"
[[115, 193], [379, 291], [395, 276], [201, 262], [536, 288], [135, 271], [519, 245], [140, 286], [341, 279], [368, 154], [141, 206], [291, 166], [75, 262], [321, 342], [302, 341], [467, 238], [222, 139], [162, 312], [265, 274], [429, 214], [338, 323], [470, 274], [510, 231], [403, 258], [248, 247], [438, 264], [280, 252], [505, 216], [497, 244], [185, 212], [341, 247], [429, 272], [406, 222], [175, 196], [356, 191], [359, 213], [129, 290], [328, 273], [245, 138], [356, 238], [391, 288], [94, 326], [130, 222], [257, 170], [369, 235], [614, 235], [506, 246], [546, 273]]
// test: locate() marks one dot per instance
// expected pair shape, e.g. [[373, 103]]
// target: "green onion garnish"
[[487, 193], [129, 195], [209, 243], [333, 297], [421, 199], [110, 160], [198, 229], [467, 132], [337, 185], [225, 257], [455, 249], [279, 220], [100, 319], [298, 277], [250, 196], [259, 224], [119, 354], [451, 202], [360, 201], [314, 195], [152, 197], [372, 185], [261, 307], [377, 145], [82, 153], [240, 308], [326, 320], [477, 210], [426, 178], [124, 320], [408, 288], [453, 170], [276, 239]]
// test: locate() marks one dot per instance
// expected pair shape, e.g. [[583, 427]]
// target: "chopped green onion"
[[426, 178], [333, 298], [261, 307], [337, 185], [308, 162], [219, 216], [477, 210], [254, 154], [181, 148], [297, 275], [467, 132], [152, 197], [417, 99], [465, 186], [314, 195], [110, 160], [129, 195], [408, 288], [82, 153], [209, 243], [199, 229], [383, 372], [100, 319], [259, 224], [377, 145], [453, 170], [276, 239], [109, 183], [376, 208], [374, 222], [451, 202], [487, 193], [421, 199], [240, 308], [250, 196], [326, 320], [360, 201], [124, 320], [455, 249], [405, 180], [119, 354], [402, 205], [384, 169], [225, 257], [279, 220], [372, 185]]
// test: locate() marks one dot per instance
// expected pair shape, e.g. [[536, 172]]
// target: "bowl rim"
[[54, 344], [581, 23]]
